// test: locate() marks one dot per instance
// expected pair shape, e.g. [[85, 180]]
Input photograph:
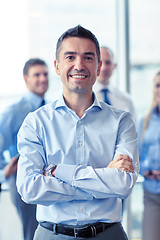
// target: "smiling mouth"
[[78, 76]]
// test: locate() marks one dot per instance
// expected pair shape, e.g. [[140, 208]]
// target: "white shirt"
[[118, 99]]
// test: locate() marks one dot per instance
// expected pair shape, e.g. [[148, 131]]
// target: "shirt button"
[[79, 121], [80, 209], [80, 143]]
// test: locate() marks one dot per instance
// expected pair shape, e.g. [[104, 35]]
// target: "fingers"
[[156, 174], [44, 173], [52, 172], [123, 157], [122, 162], [147, 174]]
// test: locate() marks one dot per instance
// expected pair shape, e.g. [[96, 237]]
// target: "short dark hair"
[[32, 62], [79, 32]]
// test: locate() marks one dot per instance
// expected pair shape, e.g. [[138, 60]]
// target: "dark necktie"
[[105, 92], [42, 103]]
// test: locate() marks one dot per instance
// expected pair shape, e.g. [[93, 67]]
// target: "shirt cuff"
[[65, 172]]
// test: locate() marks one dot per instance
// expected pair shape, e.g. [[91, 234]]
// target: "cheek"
[[30, 84], [63, 70], [156, 91], [157, 95], [36, 84], [104, 68]]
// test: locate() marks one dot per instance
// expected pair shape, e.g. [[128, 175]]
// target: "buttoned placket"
[[80, 144], [80, 155]]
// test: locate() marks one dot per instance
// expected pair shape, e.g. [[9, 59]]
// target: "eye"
[[46, 74], [88, 58], [108, 62], [70, 57], [37, 75], [157, 85]]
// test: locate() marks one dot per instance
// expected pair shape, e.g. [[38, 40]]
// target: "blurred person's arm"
[[8, 128], [11, 167]]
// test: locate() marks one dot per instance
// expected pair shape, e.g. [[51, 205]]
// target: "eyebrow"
[[85, 53], [39, 73], [89, 53]]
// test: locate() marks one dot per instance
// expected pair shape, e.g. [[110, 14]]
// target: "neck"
[[105, 82], [78, 102], [38, 94]]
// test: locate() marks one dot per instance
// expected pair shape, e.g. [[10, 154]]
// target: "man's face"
[[107, 66], [77, 64], [37, 79]]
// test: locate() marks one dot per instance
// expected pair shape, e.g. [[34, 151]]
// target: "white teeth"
[[78, 76]]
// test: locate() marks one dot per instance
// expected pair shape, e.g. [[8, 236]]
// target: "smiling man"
[[78, 156], [35, 73]]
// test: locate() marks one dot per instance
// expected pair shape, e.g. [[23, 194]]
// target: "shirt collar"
[[155, 111], [96, 103], [34, 99], [61, 103]]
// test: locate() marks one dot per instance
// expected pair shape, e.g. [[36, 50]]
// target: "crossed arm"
[[121, 162], [70, 185], [75, 182]]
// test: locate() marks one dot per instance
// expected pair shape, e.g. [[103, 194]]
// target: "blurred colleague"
[[103, 89], [78, 156], [35, 74], [149, 153]]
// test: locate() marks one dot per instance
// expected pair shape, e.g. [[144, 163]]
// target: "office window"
[[144, 51], [32, 28]]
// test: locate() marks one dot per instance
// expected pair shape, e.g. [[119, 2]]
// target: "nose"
[[44, 77], [79, 64], [104, 66]]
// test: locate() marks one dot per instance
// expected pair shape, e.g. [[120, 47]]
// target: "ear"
[[25, 78], [115, 66], [99, 68], [56, 65]]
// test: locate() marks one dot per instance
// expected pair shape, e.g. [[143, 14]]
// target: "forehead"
[[78, 45], [105, 54], [37, 68], [157, 79]]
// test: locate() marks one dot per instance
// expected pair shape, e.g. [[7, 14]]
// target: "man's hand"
[[53, 172], [122, 162], [11, 168], [155, 174]]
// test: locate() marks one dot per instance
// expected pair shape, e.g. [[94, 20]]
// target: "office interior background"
[[31, 29]]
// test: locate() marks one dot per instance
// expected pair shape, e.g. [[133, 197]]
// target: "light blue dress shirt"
[[149, 150], [84, 189], [10, 122]]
